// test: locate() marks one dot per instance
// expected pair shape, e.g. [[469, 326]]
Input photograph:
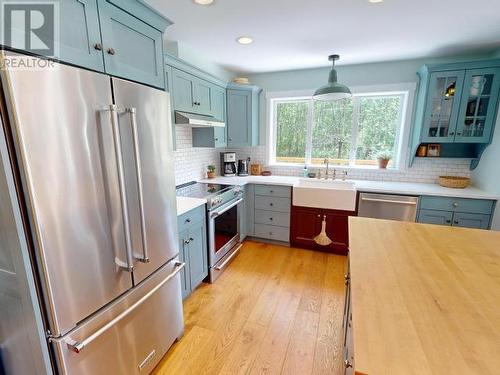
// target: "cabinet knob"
[[98, 46], [191, 239], [216, 139], [448, 221], [271, 219], [455, 204], [188, 220], [111, 51], [271, 204], [319, 215], [459, 133], [455, 222], [271, 191], [452, 133], [230, 139], [347, 364], [186, 242]]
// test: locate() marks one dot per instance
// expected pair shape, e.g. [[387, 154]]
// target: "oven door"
[[223, 230]]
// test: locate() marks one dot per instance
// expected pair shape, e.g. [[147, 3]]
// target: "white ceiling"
[[293, 34]]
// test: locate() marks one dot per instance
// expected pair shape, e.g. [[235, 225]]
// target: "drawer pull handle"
[[111, 51]]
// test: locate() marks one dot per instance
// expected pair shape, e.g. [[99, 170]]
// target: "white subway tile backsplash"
[[191, 163]]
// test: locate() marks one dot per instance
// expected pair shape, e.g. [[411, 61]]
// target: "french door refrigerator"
[[95, 174]]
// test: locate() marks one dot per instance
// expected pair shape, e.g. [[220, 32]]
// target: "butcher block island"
[[422, 299]]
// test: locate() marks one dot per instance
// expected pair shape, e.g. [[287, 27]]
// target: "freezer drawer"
[[137, 342], [389, 207]]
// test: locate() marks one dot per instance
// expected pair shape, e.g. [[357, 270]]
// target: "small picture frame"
[[433, 150]]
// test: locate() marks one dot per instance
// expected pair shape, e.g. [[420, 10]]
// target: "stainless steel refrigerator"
[[94, 166]]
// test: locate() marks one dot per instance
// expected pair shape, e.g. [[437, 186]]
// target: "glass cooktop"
[[200, 189]]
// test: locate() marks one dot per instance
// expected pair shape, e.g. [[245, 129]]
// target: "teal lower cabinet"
[[457, 212], [270, 214], [435, 217], [193, 249], [479, 221]]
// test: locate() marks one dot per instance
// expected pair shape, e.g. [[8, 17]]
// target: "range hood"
[[197, 121]]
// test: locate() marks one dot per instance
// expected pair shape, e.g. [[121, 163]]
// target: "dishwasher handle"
[[409, 203]]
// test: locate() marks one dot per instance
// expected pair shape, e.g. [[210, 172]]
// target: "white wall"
[[487, 174]]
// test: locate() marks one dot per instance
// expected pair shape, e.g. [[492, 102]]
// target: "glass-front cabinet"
[[479, 98], [443, 107], [461, 106]]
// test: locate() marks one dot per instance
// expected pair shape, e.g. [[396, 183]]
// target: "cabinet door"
[[218, 101], [239, 118], [185, 281], [203, 97], [337, 229], [442, 106], [132, 49], [478, 106], [197, 249], [183, 91], [305, 225], [80, 34], [435, 217], [478, 221]]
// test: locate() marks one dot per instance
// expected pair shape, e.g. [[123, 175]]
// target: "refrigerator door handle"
[[128, 264], [144, 258], [78, 346]]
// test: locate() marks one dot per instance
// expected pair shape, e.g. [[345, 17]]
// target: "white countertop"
[[185, 204], [389, 187]]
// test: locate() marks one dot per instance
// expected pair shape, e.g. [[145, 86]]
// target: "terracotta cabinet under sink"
[[306, 224]]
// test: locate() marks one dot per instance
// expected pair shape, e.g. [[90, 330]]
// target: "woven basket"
[[454, 182]]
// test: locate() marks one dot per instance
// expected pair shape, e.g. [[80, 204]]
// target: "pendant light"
[[333, 90]]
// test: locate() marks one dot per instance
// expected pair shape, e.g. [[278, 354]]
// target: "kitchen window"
[[350, 132]]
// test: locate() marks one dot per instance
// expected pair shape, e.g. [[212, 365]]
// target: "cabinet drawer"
[[273, 191], [191, 217], [272, 203], [272, 232], [281, 219], [478, 206]]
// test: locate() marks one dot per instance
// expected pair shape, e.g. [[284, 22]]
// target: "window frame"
[[406, 90]]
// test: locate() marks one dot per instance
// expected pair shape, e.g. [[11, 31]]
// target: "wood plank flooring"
[[275, 310]]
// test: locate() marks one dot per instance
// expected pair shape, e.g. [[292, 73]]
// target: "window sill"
[[360, 168]]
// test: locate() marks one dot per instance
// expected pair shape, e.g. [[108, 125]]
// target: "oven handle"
[[214, 214]]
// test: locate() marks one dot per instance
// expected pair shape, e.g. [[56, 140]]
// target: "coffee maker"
[[228, 163], [243, 167]]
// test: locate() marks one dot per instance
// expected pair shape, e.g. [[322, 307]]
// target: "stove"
[[215, 194], [224, 212]]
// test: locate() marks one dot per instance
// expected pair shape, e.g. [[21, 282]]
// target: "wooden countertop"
[[425, 298]]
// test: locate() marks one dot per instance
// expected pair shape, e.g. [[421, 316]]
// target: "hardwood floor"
[[275, 310]]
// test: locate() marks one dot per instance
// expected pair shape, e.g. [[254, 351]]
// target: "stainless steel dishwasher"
[[388, 206]]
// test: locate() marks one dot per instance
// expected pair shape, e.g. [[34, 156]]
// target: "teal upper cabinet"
[[203, 96], [182, 91], [213, 136], [132, 48], [242, 115], [478, 104], [442, 111], [80, 36], [457, 107]]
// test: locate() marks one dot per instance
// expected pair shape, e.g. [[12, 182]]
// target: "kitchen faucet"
[[327, 162]]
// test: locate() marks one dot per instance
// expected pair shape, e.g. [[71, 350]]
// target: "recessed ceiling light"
[[244, 40], [376, 1], [204, 2]]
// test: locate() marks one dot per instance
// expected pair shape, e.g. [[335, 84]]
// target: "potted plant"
[[211, 171], [383, 159]]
